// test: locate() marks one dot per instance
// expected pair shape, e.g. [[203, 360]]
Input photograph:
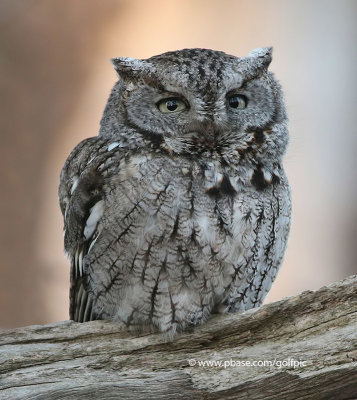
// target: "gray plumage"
[[180, 207]]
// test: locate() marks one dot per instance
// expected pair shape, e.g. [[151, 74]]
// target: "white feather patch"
[[113, 146], [90, 160], [92, 243], [80, 263], [66, 211], [267, 175], [96, 212], [206, 230], [74, 184]]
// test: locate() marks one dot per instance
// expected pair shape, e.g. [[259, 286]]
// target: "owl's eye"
[[171, 105], [237, 101]]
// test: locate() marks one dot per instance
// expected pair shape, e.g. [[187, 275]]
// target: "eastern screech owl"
[[180, 207]]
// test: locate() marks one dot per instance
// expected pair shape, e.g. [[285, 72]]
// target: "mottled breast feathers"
[[171, 216]]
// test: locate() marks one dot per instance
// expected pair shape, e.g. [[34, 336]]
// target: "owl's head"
[[200, 102]]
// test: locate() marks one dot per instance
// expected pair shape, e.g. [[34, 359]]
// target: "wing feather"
[[82, 204]]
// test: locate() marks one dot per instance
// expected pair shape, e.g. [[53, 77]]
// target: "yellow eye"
[[237, 101], [171, 105]]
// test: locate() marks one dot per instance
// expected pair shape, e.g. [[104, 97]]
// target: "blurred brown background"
[[55, 79]]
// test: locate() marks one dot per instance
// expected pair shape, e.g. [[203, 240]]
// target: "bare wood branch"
[[94, 360]]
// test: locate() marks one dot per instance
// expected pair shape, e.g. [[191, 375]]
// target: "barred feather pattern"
[[162, 232]]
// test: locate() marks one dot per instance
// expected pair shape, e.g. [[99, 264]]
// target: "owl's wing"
[[81, 198]]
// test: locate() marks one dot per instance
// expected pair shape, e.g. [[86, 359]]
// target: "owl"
[[180, 207]]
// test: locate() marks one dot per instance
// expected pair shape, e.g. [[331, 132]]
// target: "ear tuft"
[[263, 56], [128, 67]]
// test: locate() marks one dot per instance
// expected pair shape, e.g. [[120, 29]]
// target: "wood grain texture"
[[94, 360]]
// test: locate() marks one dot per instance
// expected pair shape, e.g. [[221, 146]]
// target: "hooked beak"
[[203, 132]]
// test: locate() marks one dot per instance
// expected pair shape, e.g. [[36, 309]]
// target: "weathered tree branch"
[[67, 360]]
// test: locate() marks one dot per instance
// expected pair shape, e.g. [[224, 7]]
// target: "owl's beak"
[[204, 132], [210, 131]]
